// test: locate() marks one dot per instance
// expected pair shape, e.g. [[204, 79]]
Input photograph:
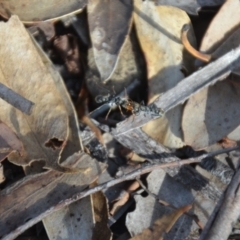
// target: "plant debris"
[[119, 119]]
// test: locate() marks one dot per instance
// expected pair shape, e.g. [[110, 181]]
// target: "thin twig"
[[15, 99], [146, 168]]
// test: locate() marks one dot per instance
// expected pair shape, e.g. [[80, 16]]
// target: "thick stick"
[[15, 99], [209, 75], [225, 214]]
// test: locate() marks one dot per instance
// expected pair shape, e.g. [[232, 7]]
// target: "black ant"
[[113, 100], [129, 105]]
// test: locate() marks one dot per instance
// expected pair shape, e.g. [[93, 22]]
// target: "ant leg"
[[108, 113], [121, 110]]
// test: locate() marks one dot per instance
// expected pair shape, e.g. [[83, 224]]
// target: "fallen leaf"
[[131, 156], [221, 26], [215, 112], [109, 24], [158, 30], [9, 142], [35, 11], [128, 69], [149, 210], [231, 42], [100, 208], [2, 177], [37, 193], [191, 6], [53, 125], [71, 222], [162, 225], [124, 197]]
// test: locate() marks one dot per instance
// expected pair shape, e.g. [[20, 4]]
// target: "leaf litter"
[[142, 43]]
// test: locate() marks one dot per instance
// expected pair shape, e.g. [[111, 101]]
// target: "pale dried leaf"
[[165, 188], [36, 193], [191, 6], [162, 225], [80, 208], [35, 11], [100, 208], [9, 142], [158, 30], [53, 123], [72, 222], [2, 177], [221, 26], [231, 42], [109, 23], [128, 69], [215, 112], [124, 197]]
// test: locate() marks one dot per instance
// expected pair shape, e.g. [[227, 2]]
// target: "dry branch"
[[146, 147], [129, 134], [146, 168], [15, 99], [225, 214], [209, 75]]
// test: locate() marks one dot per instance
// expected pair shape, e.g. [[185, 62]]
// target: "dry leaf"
[[128, 68], [36, 193], [100, 208], [53, 125], [109, 23], [2, 177], [221, 26], [191, 6], [124, 197], [162, 225], [158, 30], [35, 11], [9, 142], [72, 222], [149, 210], [215, 110]]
